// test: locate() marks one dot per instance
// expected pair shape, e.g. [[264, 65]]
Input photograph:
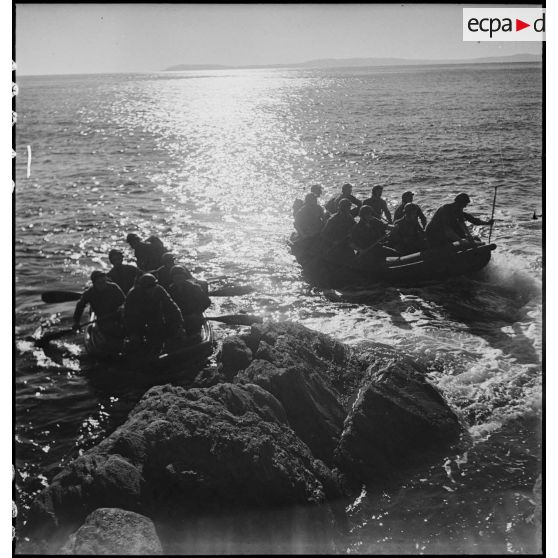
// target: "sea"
[[211, 162]]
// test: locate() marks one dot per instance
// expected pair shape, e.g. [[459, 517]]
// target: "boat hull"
[[436, 264], [181, 363]]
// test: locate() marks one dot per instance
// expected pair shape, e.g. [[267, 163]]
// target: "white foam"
[[515, 273]]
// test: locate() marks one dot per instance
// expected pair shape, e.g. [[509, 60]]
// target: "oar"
[[236, 319], [60, 296]]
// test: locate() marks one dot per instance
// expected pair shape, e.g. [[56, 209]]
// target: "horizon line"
[[296, 65]]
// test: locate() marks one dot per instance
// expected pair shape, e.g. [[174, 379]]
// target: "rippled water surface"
[[211, 162]]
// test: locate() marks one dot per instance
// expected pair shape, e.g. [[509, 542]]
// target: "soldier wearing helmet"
[[317, 190], [408, 235], [346, 194], [147, 254], [124, 275], [150, 315], [336, 233], [448, 223], [378, 204], [190, 298], [406, 198], [308, 220], [369, 230], [105, 299], [163, 273], [369, 236]]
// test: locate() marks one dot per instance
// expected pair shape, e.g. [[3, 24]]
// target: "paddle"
[[60, 296], [68, 296], [236, 319]]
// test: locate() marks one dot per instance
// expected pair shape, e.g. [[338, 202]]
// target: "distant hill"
[[356, 62], [186, 67], [364, 62]]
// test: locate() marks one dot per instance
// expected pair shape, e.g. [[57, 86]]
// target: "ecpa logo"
[[503, 24]]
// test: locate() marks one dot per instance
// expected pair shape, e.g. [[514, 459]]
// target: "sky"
[[99, 38]]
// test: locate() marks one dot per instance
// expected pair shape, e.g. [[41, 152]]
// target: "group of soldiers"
[[153, 304], [333, 232], [157, 303]]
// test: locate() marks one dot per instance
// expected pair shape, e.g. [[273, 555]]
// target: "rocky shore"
[[260, 455]]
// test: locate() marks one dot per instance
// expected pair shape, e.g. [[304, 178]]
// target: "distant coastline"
[[361, 62], [321, 64]]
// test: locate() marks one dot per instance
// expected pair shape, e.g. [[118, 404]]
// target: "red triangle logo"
[[519, 25]]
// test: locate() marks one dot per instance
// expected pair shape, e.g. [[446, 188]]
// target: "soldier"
[[448, 223]]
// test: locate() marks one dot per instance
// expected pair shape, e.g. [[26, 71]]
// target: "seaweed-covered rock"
[[114, 531], [398, 420], [181, 452]]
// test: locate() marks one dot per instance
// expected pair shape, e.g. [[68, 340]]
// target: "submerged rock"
[[114, 531], [398, 420]]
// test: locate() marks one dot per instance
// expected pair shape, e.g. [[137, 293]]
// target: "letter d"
[[538, 26]]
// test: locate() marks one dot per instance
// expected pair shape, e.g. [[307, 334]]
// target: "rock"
[[303, 369], [312, 407], [235, 356], [259, 372], [208, 377], [93, 480], [286, 344], [241, 400], [114, 531], [181, 452], [225, 446], [398, 420], [259, 445]]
